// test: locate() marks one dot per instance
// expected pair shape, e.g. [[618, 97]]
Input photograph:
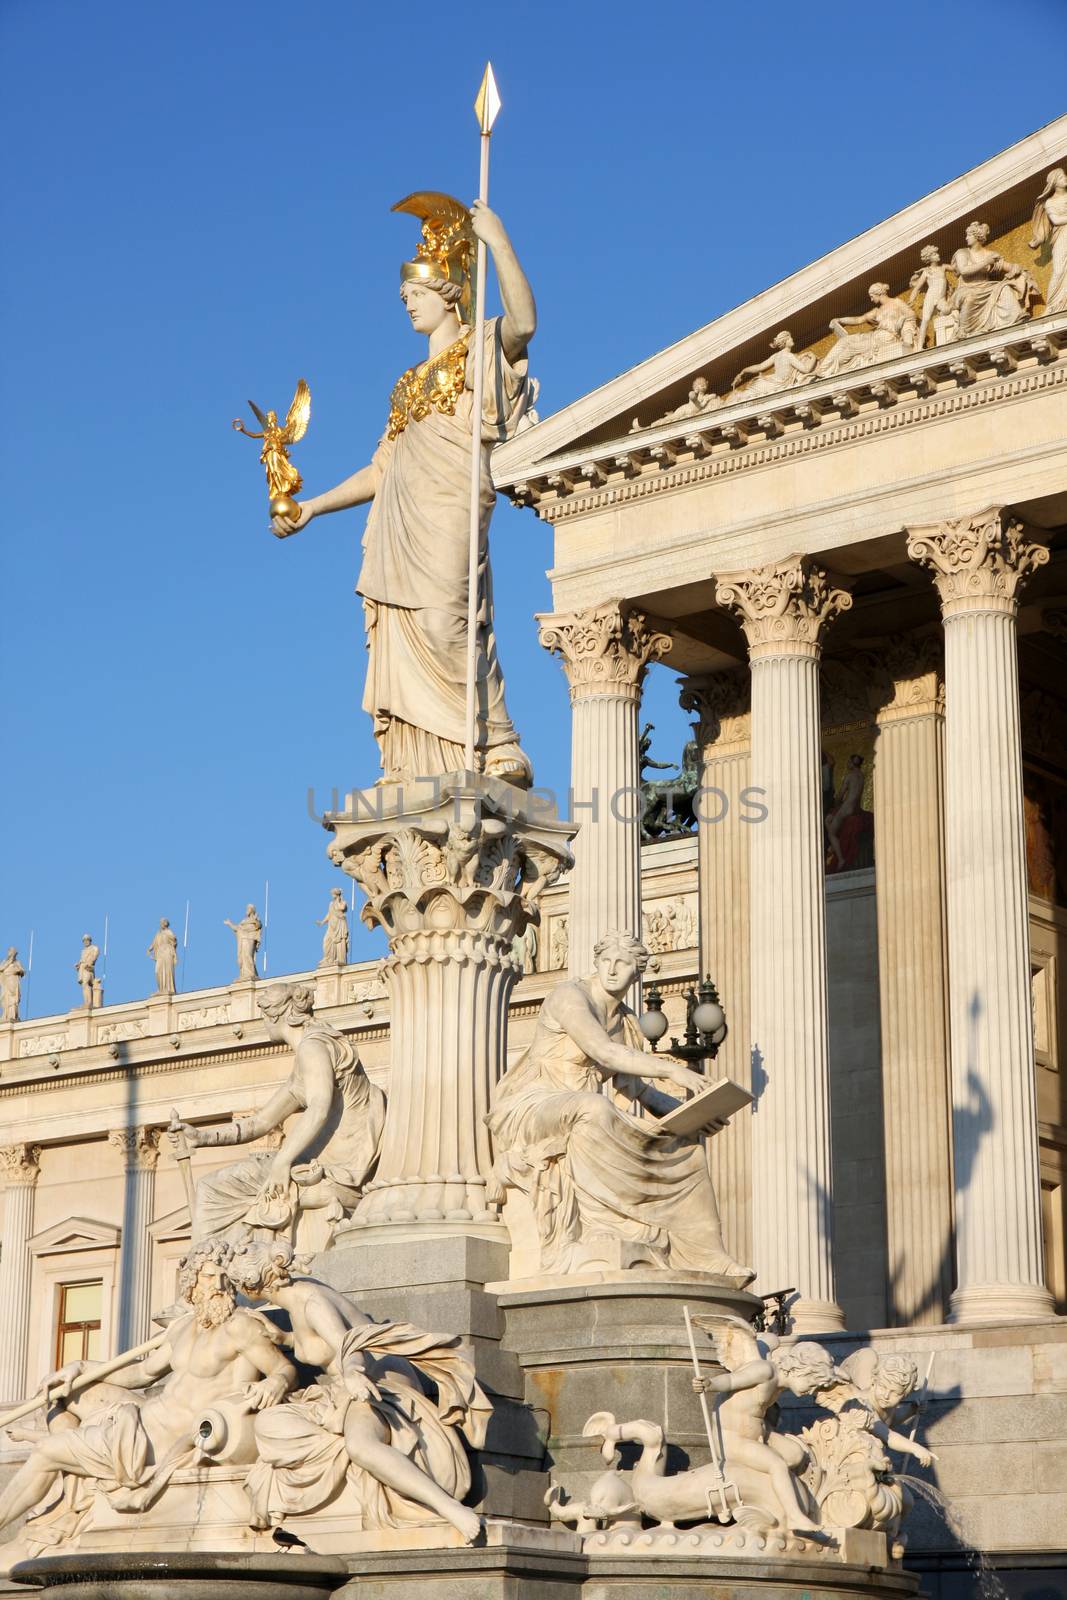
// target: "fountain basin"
[[177, 1575]]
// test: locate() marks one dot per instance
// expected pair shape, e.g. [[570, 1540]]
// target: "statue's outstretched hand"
[[282, 527]]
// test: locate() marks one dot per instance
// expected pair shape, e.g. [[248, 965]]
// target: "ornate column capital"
[[19, 1166], [722, 702], [978, 563], [783, 607], [909, 680], [138, 1146], [604, 649]]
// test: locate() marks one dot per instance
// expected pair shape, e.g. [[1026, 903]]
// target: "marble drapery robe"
[[303, 1459], [592, 1170], [414, 582]]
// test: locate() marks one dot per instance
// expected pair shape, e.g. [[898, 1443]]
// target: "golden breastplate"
[[433, 385]]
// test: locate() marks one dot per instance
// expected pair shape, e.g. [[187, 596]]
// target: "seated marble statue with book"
[[609, 1188]]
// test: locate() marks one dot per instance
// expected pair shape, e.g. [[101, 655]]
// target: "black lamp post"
[[705, 1023]]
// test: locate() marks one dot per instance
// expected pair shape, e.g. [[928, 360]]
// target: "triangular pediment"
[[1001, 193], [74, 1233], [176, 1225]]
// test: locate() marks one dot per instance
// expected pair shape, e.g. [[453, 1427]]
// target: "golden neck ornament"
[[434, 385]]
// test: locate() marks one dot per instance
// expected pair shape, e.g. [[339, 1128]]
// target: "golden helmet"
[[447, 247]]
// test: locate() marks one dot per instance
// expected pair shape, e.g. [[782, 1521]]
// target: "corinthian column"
[[913, 977], [452, 879], [783, 609], [18, 1178], [721, 704], [139, 1148], [605, 651], [978, 564]]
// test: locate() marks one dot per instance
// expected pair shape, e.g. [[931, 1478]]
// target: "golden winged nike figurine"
[[283, 480]]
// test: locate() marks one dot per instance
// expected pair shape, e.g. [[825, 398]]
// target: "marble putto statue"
[[890, 328], [335, 939], [834, 1475], [334, 1117], [1049, 236], [607, 1187], [933, 282], [991, 292], [249, 933], [164, 952], [12, 973], [85, 968], [414, 576]]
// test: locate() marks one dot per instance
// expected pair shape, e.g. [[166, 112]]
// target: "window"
[[78, 1334]]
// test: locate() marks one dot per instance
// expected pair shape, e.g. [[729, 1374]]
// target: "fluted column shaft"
[[453, 878], [139, 1148], [913, 978], [18, 1176], [721, 703], [605, 651], [783, 609], [978, 565]]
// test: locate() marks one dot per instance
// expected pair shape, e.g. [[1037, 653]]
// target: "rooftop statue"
[[335, 939], [890, 328], [413, 580], [333, 1115], [12, 973], [992, 292], [249, 933], [782, 370], [164, 951], [1049, 236], [85, 968], [607, 1188]]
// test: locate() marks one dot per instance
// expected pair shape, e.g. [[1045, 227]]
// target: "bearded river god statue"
[[414, 578], [170, 1446]]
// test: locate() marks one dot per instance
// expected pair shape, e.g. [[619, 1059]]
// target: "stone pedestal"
[[140, 1152], [18, 1178], [605, 651], [452, 876], [783, 610], [177, 1576], [611, 1342], [913, 978], [723, 733], [978, 564]]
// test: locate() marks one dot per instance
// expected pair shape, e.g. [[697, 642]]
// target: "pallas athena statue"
[[414, 577]]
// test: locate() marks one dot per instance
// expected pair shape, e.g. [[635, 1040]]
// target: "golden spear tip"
[[488, 102]]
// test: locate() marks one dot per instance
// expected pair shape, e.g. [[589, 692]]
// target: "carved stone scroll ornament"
[[454, 879], [604, 649], [783, 606], [978, 563]]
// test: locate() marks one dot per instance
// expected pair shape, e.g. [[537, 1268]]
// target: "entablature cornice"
[[907, 392]]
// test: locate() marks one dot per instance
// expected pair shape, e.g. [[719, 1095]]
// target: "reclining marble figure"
[[334, 1117], [377, 1434], [607, 1187], [127, 1444], [368, 1417]]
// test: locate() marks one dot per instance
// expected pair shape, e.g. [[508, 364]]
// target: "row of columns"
[[19, 1172], [961, 1141]]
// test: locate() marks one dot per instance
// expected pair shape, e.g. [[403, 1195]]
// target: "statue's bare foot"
[[799, 1523], [466, 1522]]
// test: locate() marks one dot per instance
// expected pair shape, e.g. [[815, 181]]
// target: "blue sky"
[[197, 211]]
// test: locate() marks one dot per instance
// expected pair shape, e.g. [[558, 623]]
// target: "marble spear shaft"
[[85, 1380], [476, 470]]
